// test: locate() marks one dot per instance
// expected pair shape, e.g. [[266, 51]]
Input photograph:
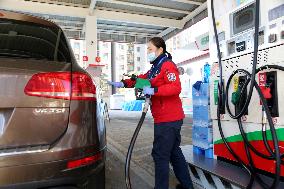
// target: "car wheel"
[[96, 181], [62, 187]]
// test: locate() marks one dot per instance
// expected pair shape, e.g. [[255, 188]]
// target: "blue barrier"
[[135, 105]]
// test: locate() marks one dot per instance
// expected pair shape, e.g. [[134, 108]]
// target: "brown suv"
[[49, 133]]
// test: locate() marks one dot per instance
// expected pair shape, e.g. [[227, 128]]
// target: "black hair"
[[159, 42]]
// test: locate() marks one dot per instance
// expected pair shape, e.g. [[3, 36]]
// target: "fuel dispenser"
[[247, 91]]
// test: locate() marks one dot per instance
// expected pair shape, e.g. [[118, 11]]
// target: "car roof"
[[26, 18]]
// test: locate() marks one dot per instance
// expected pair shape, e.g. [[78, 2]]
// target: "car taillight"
[[57, 85], [50, 85], [83, 87], [84, 161]]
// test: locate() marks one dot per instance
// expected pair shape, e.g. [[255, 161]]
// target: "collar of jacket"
[[157, 60]]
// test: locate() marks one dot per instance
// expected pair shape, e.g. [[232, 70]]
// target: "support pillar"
[[91, 39], [113, 64]]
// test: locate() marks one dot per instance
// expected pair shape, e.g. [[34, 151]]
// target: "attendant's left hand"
[[148, 91]]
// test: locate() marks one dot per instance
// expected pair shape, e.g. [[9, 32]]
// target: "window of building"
[[130, 68], [105, 56], [121, 57], [138, 59], [121, 47], [105, 45], [138, 49]]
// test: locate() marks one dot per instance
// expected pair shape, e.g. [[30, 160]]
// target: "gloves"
[[116, 84], [148, 91]]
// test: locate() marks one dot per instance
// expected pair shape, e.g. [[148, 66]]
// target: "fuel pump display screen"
[[243, 19]]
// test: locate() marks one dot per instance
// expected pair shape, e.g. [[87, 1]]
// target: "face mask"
[[151, 56]]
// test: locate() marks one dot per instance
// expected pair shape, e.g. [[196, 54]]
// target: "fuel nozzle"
[[236, 97], [266, 91], [239, 96], [140, 84], [133, 77], [265, 84]]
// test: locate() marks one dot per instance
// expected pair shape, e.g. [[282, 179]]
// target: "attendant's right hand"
[[116, 84]]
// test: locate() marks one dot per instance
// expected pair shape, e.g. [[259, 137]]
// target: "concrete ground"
[[119, 132], [115, 175]]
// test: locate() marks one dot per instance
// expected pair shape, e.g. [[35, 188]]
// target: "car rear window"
[[20, 39]]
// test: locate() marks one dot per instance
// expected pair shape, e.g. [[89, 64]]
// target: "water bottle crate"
[[206, 152]]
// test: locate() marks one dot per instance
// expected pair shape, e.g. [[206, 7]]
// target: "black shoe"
[[179, 186]]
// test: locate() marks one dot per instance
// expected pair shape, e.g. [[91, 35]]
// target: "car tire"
[[96, 181], [62, 187]]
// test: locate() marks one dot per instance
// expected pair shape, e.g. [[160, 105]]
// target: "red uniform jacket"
[[166, 104]]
